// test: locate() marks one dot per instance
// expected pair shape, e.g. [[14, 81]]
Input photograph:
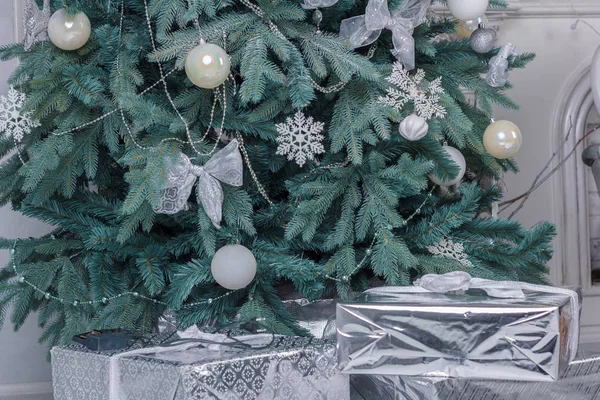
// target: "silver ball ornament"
[[482, 40], [502, 139], [233, 267], [413, 128], [69, 32], [459, 160], [207, 66]]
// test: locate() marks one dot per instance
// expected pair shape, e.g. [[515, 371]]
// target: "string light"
[[105, 300]]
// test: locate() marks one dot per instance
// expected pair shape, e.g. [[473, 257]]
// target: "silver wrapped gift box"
[[289, 368], [580, 382], [433, 330]]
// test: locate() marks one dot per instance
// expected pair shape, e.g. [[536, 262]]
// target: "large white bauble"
[[502, 139], [414, 127], [69, 32], [233, 267], [459, 160], [207, 66], [468, 9], [596, 78]]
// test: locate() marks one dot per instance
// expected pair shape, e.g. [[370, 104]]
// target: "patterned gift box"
[[290, 368]]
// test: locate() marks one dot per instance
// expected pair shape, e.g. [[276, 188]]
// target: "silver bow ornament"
[[366, 29], [497, 75], [226, 166], [35, 23]]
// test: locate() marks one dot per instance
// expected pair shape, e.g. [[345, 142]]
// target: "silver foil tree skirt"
[[581, 382]]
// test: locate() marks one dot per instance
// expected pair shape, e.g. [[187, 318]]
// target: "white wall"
[[560, 50], [22, 359]]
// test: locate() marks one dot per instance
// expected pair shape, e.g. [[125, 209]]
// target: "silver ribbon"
[[35, 23], [497, 75], [459, 281], [366, 29], [225, 166]]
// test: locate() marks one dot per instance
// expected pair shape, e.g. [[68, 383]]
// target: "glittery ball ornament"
[[69, 32], [207, 66], [456, 156], [502, 139], [468, 9], [233, 267], [483, 40]]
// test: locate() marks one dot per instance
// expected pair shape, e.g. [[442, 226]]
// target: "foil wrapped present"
[[437, 329], [581, 382], [283, 368]]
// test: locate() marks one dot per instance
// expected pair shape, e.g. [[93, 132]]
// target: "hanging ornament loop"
[[366, 29]]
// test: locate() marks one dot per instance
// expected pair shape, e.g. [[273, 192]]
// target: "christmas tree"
[[201, 155]]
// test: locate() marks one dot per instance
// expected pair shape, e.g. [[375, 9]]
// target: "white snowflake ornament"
[[13, 122], [300, 138], [405, 88], [447, 248]]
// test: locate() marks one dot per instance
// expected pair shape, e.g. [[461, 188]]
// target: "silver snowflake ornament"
[[13, 121], [424, 95], [447, 248], [35, 23], [300, 138]]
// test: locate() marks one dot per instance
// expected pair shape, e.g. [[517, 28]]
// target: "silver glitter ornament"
[[483, 40], [35, 23]]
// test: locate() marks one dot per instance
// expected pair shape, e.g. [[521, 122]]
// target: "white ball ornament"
[[502, 139], [233, 267], [69, 32], [207, 66], [414, 128], [459, 160], [468, 9]]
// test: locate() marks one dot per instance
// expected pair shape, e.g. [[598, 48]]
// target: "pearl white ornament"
[[502, 139], [69, 32], [414, 128], [468, 9], [233, 267], [207, 66], [459, 160]]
